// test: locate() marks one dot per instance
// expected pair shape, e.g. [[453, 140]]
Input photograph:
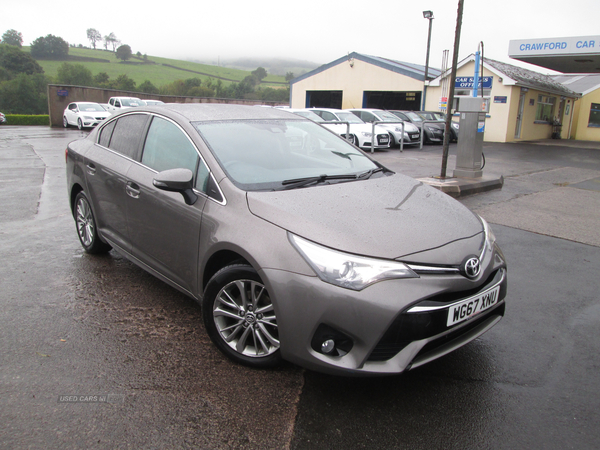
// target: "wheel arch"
[[217, 261], [75, 189]]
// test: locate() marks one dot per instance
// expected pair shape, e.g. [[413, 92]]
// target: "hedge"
[[23, 119]]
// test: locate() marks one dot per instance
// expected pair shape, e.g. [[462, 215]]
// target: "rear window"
[[126, 135]]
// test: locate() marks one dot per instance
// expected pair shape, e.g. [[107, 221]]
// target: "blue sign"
[[469, 82], [499, 99], [62, 92]]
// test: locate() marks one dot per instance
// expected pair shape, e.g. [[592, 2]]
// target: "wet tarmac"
[[96, 353]]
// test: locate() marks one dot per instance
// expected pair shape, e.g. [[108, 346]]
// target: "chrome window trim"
[[210, 172]]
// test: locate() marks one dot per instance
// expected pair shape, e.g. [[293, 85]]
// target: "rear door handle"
[[133, 190], [91, 168]]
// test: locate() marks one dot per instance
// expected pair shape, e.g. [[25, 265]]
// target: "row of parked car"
[[389, 131], [355, 125], [90, 114]]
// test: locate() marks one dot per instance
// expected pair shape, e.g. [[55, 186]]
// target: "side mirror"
[[177, 180]]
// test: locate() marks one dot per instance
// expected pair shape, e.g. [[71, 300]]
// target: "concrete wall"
[[353, 81], [57, 103]]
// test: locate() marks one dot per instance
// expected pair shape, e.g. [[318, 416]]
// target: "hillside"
[[159, 71]]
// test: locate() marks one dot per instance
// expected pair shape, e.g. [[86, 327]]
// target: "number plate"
[[472, 306]]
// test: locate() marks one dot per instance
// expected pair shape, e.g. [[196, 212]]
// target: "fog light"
[[328, 346]]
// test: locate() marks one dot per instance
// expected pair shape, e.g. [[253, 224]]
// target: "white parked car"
[[116, 104], [360, 132], [412, 135], [84, 114]]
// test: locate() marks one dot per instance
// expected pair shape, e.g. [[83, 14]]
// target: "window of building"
[[594, 121], [545, 108]]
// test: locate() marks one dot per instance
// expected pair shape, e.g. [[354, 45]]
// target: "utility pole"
[[451, 93]]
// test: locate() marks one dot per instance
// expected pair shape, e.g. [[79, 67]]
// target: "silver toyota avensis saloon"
[[297, 245]]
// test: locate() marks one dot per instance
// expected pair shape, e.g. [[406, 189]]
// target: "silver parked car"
[[297, 245]]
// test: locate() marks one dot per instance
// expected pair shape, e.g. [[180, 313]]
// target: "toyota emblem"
[[472, 267]]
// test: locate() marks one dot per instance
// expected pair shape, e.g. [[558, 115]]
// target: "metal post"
[[429, 16], [451, 94]]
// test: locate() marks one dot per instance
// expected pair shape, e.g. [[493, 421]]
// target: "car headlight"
[[346, 270], [365, 134], [455, 125], [490, 238]]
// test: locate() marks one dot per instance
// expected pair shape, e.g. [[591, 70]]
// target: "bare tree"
[[93, 36], [111, 40]]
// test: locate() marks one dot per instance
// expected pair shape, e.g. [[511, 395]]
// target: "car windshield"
[[131, 102], [90, 107], [414, 117], [387, 116], [349, 117], [310, 115], [433, 115], [279, 154]]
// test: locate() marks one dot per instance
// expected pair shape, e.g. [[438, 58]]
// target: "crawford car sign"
[[554, 46]]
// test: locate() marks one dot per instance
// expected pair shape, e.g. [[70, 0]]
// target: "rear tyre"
[[239, 317], [86, 226]]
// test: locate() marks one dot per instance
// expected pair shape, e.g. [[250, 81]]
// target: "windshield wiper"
[[301, 182], [368, 173]]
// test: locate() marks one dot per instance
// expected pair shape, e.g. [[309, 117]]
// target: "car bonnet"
[[388, 217]]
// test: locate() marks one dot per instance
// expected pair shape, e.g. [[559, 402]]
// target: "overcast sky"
[[319, 31]]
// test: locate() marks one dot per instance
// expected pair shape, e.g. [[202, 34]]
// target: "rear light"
[[66, 154]]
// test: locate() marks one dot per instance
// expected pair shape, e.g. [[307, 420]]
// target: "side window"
[[106, 133], [127, 133], [203, 177], [167, 147], [117, 104], [112, 101], [72, 106]]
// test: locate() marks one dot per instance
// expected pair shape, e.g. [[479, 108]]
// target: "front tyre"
[[65, 122], [86, 226], [239, 317], [79, 124]]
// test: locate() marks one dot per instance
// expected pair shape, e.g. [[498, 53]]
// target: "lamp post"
[[429, 16]]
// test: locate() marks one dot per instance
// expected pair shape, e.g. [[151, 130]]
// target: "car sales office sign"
[[469, 83]]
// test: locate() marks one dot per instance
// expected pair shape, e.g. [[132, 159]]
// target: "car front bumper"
[[383, 329]]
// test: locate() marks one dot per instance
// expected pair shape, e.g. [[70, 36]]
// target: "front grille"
[[383, 139], [409, 327]]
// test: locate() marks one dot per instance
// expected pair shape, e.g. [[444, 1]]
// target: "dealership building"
[[524, 104]]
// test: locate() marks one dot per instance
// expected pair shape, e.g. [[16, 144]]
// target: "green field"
[[159, 71]]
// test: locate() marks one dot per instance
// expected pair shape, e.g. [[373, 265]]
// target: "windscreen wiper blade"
[[368, 173], [301, 182]]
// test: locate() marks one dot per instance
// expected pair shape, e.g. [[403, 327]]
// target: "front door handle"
[[133, 190]]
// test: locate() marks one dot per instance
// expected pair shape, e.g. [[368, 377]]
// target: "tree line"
[[23, 83]]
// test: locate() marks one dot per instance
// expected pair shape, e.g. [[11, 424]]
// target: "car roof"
[[202, 112]]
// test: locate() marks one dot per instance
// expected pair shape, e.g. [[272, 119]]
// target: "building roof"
[[581, 83], [415, 71], [517, 76]]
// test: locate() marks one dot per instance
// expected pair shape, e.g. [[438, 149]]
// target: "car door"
[[165, 231], [106, 166], [71, 114]]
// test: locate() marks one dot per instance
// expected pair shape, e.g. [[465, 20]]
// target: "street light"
[[429, 16]]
